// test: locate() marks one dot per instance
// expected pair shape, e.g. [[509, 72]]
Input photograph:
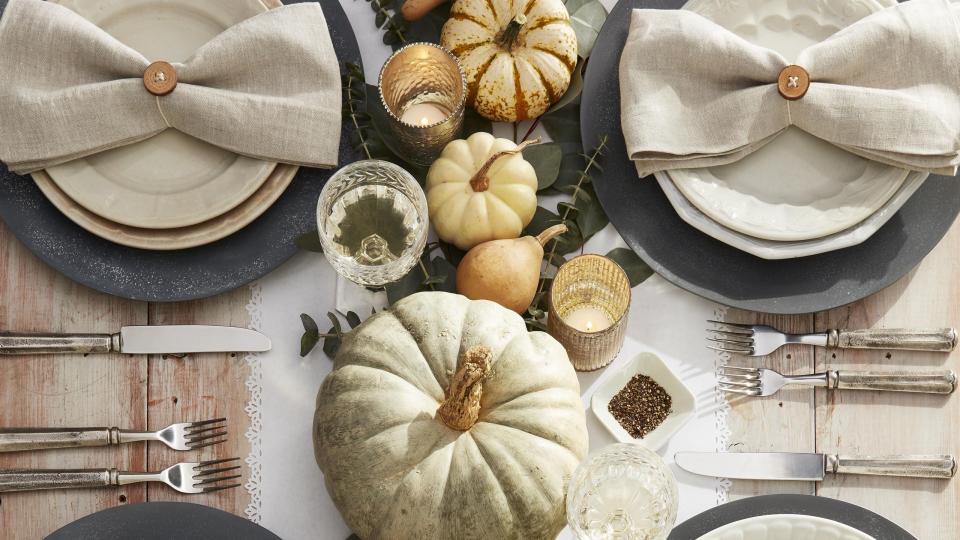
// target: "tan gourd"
[[444, 418], [481, 189], [505, 271], [518, 55]]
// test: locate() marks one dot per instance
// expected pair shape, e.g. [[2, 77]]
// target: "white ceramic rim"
[[850, 204], [125, 204], [791, 520], [776, 250]]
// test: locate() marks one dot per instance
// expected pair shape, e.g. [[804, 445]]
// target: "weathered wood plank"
[[201, 387], [779, 423], [97, 390], [879, 423]]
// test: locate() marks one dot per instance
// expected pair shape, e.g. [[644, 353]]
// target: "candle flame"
[[589, 326], [424, 121]]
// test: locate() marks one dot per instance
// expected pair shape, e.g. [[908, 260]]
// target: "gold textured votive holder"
[[590, 284], [424, 91]]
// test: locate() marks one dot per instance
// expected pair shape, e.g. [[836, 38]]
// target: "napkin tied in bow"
[[886, 88], [268, 88]]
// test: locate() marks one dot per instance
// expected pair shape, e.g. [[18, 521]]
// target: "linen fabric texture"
[[267, 88], [694, 94]]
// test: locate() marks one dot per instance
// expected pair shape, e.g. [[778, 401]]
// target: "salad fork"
[[766, 382], [761, 340], [183, 436], [202, 477]]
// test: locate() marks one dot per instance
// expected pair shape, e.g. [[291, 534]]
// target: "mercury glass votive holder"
[[589, 304], [424, 91]]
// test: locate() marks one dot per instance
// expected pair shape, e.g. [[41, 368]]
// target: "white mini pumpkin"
[[518, 55], [471, 203], [444, 418]]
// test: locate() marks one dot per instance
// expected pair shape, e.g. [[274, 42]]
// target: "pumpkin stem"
[[551, 233], [480, 182], [508, 36], [461, 409]]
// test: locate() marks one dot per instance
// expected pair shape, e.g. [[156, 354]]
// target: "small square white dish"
[[683, 407]]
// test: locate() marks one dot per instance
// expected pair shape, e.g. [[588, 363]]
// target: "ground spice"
[[640, 406]]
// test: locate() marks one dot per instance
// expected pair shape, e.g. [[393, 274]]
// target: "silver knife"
[[140, 340], [810, 467]]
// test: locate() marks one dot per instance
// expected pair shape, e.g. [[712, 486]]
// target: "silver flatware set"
[[760, 340], [188, 477]]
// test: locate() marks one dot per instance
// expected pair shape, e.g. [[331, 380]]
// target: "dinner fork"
[[761, 340], [184, 436], [766, 382], [202, 477]]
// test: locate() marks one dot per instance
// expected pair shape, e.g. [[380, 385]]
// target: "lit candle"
[[424, 114], [588, 319]]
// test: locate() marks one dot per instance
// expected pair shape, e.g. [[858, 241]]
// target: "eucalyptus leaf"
[[405, 286], [353, 319], [428, 27], [331, 344], [637, 270], [545, 159], [474, 123], [587, 20], [591, 218], [445, 269], [564, 125], [337, 328], [310, 241], [451, 253], [309, 324], [308, 341], [567, 242], [534, 325]]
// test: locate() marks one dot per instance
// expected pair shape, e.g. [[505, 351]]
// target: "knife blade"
[[810, 467], [140, 340]]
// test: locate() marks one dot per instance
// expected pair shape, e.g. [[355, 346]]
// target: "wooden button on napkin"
[[793, 82], [160, 78]]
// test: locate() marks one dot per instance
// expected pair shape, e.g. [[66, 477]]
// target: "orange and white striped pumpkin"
[[518, 55]]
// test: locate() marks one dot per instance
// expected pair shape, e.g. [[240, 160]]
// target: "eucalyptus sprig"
[[332, 338]]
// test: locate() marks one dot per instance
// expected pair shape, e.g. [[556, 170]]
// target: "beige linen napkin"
[[268, 88], [886, 88]]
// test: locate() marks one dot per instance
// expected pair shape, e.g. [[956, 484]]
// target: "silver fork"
[[761, 340], [184, 436], [766, 382], [202, 477]]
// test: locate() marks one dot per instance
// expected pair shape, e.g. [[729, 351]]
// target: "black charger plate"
[[166, 276], [707, 267], [854, 516], [162, 521]]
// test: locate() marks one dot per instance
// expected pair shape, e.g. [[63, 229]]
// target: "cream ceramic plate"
[[171, 180], [179, 238], [797, 187], [684, 403], [786, 527], [773, 249]]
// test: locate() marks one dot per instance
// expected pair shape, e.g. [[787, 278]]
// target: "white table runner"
[[288, 495]]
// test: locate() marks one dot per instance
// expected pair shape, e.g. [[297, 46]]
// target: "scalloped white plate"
[[797, 187], [170, 180], [786, 527]]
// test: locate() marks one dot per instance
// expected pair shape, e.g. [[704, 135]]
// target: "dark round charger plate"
[[167, 276], [721, 273], [162, 521], [854, 516]]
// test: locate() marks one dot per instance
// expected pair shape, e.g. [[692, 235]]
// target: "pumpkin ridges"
[[544, 21], [557, 55], [551, 91], [521, 103], [474, 20]]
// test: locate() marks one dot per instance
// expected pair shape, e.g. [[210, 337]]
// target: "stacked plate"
[[171, 191], [799, 195]]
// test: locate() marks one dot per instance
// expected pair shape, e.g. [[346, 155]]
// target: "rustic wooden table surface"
[[153, 391]]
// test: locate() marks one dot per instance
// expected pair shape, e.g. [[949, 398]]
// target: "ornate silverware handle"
[[934, 382], [21, 439], [903, 339], [30, 480], [911, 466], [58, 343]]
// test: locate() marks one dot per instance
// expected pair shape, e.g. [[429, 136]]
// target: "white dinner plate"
[[773, 249], [170, 180], [797, 187], [786, 527]]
